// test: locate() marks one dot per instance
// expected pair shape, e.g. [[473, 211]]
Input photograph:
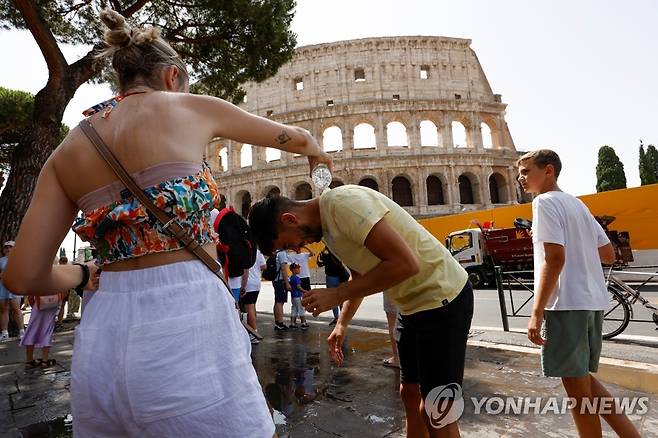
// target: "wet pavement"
[[311, 397]]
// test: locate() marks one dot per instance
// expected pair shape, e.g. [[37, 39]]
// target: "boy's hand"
[[335, 341], [534, 329], [317, 301]]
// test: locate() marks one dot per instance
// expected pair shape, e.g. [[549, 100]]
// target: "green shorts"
[[573, 342]]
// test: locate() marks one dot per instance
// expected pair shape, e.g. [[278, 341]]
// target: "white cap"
[[9, 243]]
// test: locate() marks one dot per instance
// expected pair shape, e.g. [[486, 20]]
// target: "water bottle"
[[321, 177]]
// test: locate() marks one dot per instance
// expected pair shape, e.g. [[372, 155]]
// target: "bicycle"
[[622, 299]]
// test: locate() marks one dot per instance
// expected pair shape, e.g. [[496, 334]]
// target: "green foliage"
[[609, 171], [16, 109], [647, 168], [224, 42], [652, 159]]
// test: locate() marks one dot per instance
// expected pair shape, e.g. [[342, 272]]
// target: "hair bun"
[[146, 35], [118, 33]]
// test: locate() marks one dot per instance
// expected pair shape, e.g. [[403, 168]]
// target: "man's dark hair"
[[264, 220], [541, 158], [63, 260]]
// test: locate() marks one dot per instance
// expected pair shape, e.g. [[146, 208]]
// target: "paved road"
[[487, 311]]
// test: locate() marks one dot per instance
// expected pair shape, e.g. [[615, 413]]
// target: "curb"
[[637, 376]]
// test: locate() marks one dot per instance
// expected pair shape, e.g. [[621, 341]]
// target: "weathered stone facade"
[[415, 87]]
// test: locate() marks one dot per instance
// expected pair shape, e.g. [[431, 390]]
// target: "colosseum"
[[412, 117]]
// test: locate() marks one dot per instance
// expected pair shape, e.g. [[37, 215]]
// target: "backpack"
[[237, 247], [270, 273]]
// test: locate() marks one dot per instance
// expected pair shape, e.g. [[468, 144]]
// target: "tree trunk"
[[39, 142], [29, 157]]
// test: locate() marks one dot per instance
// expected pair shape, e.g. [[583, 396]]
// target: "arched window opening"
[[332, 139], [429, 134], [364, 136], [370, 183], [434, 191], [487, 137], [402, 192], [246, 155], [272, 154], [272, 191], [465, 190], [303, 192], [497, 189], [458, 135], [396, 134], [223, 158]]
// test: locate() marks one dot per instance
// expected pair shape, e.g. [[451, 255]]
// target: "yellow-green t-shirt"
[[349, 212]]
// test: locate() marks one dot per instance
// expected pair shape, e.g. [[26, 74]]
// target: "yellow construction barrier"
[[636, 210]]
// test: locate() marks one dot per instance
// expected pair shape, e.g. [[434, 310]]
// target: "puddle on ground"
[[295, 371], [58, 428]]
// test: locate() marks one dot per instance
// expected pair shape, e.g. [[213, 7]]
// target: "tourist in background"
[[335, 274], [9, 303]]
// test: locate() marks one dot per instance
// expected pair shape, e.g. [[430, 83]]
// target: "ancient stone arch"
[[302, 191], [370, 182], [402, 191]]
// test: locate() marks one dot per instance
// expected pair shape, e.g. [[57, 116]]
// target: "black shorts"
[[305, 283], [432, 343], [280, 292], [249, 298]]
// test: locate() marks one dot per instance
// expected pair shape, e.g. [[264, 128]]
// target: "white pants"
[[161, 352]]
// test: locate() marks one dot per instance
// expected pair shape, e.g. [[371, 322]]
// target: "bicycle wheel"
[[617, 318]]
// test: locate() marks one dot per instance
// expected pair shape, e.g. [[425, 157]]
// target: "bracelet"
[[85, 277]]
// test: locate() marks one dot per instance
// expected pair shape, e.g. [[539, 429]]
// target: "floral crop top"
[[124, 229]]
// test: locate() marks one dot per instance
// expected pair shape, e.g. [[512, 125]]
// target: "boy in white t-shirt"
[[570, 290]]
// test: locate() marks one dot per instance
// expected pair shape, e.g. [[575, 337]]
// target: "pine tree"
[[225, 43], [609, 171]]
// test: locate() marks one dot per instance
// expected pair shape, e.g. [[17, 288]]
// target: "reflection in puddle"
[[295, 370], [57, 428], [292, 380]]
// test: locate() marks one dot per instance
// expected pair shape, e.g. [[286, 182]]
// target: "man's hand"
[[317, 301], [534, 329], [243, 292], [335, 341]]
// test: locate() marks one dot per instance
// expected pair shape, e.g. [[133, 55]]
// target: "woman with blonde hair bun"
[[145, 362]]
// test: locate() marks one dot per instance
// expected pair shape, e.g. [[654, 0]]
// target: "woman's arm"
[[30, 268], [226, 120]]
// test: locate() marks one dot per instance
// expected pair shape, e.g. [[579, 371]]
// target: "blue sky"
[[575, 74]]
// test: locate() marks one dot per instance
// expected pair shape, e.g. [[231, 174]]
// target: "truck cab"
[[479, 250], [469, 249]]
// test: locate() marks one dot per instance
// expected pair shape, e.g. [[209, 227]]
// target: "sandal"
[[389, 363], [34, 363], [48, 363]]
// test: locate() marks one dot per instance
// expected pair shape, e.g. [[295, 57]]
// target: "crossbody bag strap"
[[168, 223]]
